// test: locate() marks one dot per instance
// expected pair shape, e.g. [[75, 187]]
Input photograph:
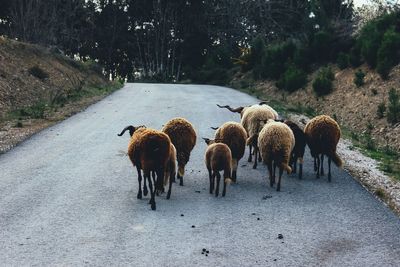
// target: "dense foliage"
[[170, 40]]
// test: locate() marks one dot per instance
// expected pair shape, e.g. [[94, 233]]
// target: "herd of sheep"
[[278, 143]]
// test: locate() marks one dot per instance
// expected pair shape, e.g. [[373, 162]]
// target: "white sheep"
[[276, 142]]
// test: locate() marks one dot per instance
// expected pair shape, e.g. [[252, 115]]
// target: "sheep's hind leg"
[[259, 156], [294, 165], [210, 176], [278, 187], [250, 154], [318, 166], [322, 165], [170, 186], [152, 192], [271, 177], [301, 169], [315, 164], [139, 194], [329, 169], [218, 180], [255, 158], [145, 190]]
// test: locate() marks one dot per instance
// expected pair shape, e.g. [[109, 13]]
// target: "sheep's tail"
[[228, 175], [286, 168], [181, 170], [337, 160]]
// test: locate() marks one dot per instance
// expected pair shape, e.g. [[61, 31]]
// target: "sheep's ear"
[[279, 120], [235, 110], [207, 140], [129, 128]]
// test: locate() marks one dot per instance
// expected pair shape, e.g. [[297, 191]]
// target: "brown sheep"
[[234, 135], [276, 142], [183, 136], [149, 150], [299, 147], [170, 169], [250, 118], [323, 134], [218, 158]]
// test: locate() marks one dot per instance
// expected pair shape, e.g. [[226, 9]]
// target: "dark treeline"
[[176, 39]]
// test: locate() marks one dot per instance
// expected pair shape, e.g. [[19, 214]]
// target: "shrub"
[[275, 59], [388, 53], [302, 58], [342, 60], [355, 56], [322, 84], [321, 46], [359, 76], [38, 72], [393, 110], [381, 110], [257, 48], [293, 79], [374, 91]]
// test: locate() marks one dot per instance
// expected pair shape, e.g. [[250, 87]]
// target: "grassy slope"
[[39, 87]]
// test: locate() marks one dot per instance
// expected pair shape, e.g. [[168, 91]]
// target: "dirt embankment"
[[354, 107], [40, 86]]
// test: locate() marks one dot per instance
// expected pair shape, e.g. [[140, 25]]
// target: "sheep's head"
[[252, 140], [208, 141], [131, 129], [234, 110]]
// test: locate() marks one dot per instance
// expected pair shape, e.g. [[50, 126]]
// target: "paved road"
[[68, 197]]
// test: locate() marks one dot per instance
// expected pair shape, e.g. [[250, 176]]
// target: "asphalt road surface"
[[68, 197]]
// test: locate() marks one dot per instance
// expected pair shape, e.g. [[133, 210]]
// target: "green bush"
[[388, 53], [302, 58], [38, 72], [359, 76], [372, 36], [381, 110], [321, 46], [322, 84], [293, 79], [275, 59], [343, 60], [257, 50], [355, 56], [393, 110]]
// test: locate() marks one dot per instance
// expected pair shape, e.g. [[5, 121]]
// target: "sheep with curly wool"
[[299, 147], [149, 150], [276, 142], [218, 158], [323, 134], [234, 136], [183, 136], [170, 170], [250, 117]]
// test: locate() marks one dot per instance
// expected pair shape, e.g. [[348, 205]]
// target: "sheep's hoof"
[[169, 195], [145, 191], [139, 195], [278, 189], [249, 160], [223, 194], [181, 181], [300, 176], [254, 166], [329, 178], [153, 206]]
